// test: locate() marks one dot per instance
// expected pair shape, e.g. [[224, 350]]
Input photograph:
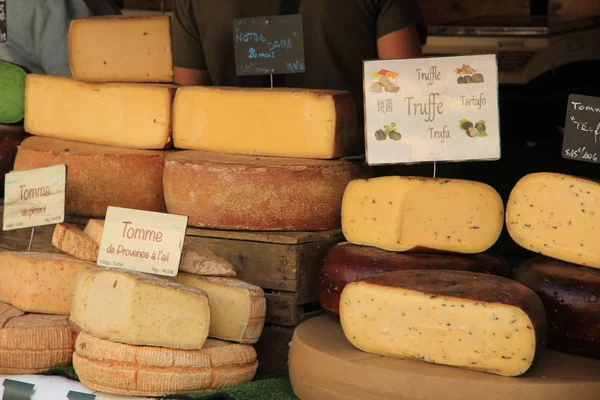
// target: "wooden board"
[[283, 309], [272, 350], [575, 8], [324, 365], [440, 11]]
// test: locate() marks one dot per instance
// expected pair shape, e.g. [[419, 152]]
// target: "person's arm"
[[191, 77], [403, 43], [397, 34]]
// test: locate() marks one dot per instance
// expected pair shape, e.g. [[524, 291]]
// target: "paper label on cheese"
[[35, 197], [142, 241]]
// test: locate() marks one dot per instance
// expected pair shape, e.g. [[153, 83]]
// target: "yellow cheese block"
[[94, 229], [121, 49], [33, 343], [558, 216], [73, 241], [464, 319], [140, 309], [115, 114], [270, 122], [406, 213], [237, 308], [150, 371], [200, 260], [39, 282]]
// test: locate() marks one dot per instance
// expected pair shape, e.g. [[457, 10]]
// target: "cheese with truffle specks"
[[405, 213], [121, 49], [39, 282], [463, 319], [298, 123], [126, 115], [139, 309], [72, 240], [558, 216]]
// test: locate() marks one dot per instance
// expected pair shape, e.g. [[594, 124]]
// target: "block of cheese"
[[558, 216], [33, 343], [11, 137], [254, 193], [571, 295], [72, 240], [139, 309], [94, 229], [458, 318], [347, 263], [99, 176], [407, 213], [127, 115], [200, 260], [297, 123], [12, 93], [237, 308], [121, 49], [152, 371], [39, 282]]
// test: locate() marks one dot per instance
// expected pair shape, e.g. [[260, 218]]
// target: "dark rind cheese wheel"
[[347, 263], [571, 295]]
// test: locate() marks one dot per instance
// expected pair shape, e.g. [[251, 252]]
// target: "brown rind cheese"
[[257, 193], [347, 263], [571, 295]]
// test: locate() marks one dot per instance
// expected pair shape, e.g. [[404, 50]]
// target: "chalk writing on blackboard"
[[582, 129]]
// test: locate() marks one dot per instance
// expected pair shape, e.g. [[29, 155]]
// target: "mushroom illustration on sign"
[[385, 81], [388, 131], [468, 74], [473, 130]]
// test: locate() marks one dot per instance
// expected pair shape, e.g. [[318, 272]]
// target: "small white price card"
[[34, 198], [142, 241], [431, 109]]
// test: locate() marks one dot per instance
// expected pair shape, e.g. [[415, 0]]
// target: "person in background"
[[338, 36], [37, 31]]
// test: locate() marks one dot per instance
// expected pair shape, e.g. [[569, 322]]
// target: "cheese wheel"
[[121, 49], [558, 216], [39, 282], [463, 319], [32, 343], [255, 193], [571, 295], [151, 371], [72, 240], [12, 92], [347, 263], [99, 176], [408, 213], [281, 122]]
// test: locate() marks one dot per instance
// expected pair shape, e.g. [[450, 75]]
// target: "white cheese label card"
[[582, 129], [34, 198], [142, 241], [431, 109]]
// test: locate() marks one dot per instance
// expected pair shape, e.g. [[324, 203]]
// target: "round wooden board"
[[324, 365]]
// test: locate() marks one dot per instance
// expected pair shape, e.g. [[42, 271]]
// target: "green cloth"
[[12, 93]]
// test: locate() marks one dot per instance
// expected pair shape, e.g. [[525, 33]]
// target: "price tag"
[[142, 241], [269, 45], [3, 22], [581, 141], [17, 390], [431, 109], [35, 197], [80, 396]]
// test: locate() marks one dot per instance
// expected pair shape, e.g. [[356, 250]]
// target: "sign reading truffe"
[[431, 109], [269, 45], [35, 197], [582, 129], [142, 241]]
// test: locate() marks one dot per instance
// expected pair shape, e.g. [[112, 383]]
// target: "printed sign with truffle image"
[[431, 109]]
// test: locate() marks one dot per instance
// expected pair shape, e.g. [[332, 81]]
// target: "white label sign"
[[142, 241], [431, 109], [34, 198]]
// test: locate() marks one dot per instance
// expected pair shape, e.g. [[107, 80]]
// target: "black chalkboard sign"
[[269, 45], [3, 23], [582, 129]]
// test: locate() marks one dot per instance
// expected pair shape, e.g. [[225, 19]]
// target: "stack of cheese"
[[558, 216]]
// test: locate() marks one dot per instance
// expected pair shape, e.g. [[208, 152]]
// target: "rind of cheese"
[[12, 93], [39, 282], [33, 343], [150, 371], [127, 115], [463, 319], [200, 260], [237, 308], [257, 193], [72, 240], [298, 123], [558, 216], [99, 176], [139, 309], [407, 213], [571, 295], [121, 49], [94, 230]]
